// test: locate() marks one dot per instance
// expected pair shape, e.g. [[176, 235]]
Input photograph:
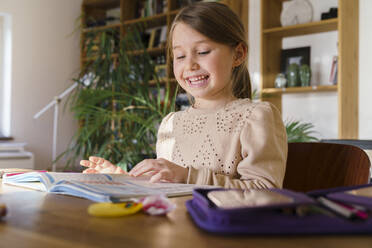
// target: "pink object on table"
[[17, 173], [157, 205]]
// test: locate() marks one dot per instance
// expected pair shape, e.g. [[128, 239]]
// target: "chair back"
[[313, 166]]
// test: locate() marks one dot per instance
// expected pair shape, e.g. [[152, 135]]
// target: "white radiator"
[[13, 155]]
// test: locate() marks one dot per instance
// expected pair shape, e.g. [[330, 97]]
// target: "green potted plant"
[[118, 103], [300, 131]]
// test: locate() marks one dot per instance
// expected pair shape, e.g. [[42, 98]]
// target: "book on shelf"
[[151, 7], [113, 16], [161, 71], [152, 38], [158, 37], [96, 187], [145, 37], [334, 71], [163, 36]]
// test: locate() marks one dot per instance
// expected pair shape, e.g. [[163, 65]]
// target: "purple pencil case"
[[271, 219]]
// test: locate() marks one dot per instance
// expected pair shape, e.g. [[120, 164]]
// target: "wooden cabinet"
[[95, 11], [346, 24]]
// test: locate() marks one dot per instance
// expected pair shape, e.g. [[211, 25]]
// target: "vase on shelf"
[[293, 75], [305, 75], [280, 81]]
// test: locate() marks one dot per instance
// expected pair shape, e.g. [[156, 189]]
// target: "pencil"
[[335, 207], [342, 209]]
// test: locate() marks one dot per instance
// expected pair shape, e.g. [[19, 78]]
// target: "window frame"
[[5, 75]]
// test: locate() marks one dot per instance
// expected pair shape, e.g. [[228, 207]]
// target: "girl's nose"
[[192, 64]]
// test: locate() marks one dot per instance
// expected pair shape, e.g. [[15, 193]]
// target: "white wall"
[[320, 108], [1, 73], [365, 67], [45, 59]]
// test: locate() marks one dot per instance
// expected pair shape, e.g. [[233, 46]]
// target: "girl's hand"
[[161, 170], [101, 165]]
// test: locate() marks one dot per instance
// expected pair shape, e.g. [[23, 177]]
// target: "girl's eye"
[[204, 52], [180, 57]]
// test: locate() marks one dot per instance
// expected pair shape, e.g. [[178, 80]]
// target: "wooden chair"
[[313, 166]]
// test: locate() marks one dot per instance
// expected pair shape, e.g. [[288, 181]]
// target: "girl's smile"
[[197, 81]]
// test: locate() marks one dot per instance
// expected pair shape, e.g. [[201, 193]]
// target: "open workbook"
[[96, 187]]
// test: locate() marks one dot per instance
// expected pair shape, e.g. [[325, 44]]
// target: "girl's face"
[[201, 66]]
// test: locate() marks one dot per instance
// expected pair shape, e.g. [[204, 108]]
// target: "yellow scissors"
[[107, 209]]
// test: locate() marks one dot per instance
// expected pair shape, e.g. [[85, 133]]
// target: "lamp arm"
[[68, 90], [56, 100], [49, 105]]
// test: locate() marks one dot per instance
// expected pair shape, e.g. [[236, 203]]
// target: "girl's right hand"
[[101, 165]]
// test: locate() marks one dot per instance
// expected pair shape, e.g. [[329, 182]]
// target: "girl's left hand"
[[161, 170], [100, 165]]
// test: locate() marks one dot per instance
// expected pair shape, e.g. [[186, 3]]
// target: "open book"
[[96, 187]]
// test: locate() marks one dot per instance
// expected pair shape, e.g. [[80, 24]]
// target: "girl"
[[224, 138]]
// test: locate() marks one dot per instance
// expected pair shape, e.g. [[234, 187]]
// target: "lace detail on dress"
[[230, 120], [192, 124]]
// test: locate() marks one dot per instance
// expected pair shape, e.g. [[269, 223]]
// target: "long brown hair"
[[220, 24]]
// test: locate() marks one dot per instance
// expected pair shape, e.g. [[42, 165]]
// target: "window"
[[5, 73]]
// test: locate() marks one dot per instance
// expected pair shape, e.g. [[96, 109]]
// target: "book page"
[[118, 187], [45, 180], [171, 189], [13, 170], [122, 181], [30, 180], [81, 177]]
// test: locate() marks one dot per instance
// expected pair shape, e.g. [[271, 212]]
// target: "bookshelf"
[[346, 24], [130, 14]]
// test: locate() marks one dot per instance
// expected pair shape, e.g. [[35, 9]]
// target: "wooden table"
[[37, 219]]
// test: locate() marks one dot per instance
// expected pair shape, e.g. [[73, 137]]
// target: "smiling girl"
[[224, 138]]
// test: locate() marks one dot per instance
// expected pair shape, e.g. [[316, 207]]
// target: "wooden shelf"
[[311, 89], [102, 4], [174, 12], [163, 81], [302, 29], [172, 80], [87, 59], [101, 28], [155, 20], [152, 51], [159, 18]]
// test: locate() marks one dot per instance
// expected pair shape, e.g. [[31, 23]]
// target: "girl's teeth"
[[193, 79], [197, 80]]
